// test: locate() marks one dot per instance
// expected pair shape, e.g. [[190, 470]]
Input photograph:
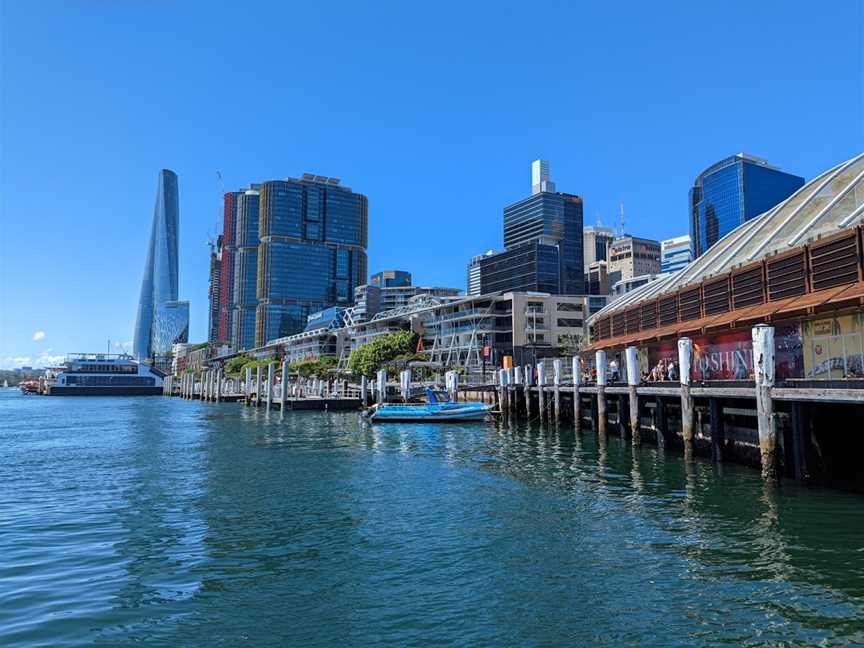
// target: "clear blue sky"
[[433, 110]]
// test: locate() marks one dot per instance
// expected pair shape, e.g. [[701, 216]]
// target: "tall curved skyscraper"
[[162, 320]]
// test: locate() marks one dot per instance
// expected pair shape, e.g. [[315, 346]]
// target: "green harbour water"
[[161, 522]]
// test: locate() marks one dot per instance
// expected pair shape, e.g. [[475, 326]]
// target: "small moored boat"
[[434, 410]]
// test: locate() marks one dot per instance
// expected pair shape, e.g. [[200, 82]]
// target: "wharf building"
[[542, 237], [312, 253], [797, 266], [675, 254], [730, 193], [162, 320], [369, 299], [453, 332]]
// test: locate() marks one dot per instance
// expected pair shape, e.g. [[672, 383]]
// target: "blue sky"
[[433, 110]]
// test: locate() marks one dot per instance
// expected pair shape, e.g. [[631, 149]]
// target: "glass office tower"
[[391, 279], [246, 241], [529, 267], [312, 253], [731, 192], [161, 320], [550, 218]]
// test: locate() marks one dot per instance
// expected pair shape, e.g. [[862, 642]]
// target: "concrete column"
[[685, 356], [577, 406], [270, 372], [247, 386], [502, 402], [454, 387], [600, 362], [763, 368], [364, 391], [556, 382], [219, 379], [633, 376], [541, 395], [381, 387], [528, 376]]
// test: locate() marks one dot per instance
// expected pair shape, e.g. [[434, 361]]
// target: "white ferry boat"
[[101, 374]]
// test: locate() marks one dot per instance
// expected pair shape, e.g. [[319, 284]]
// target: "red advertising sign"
[[487, 351]]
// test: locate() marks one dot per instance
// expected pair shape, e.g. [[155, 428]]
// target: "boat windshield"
[[438, 396]]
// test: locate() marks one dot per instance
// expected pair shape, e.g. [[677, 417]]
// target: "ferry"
[[101, 374]]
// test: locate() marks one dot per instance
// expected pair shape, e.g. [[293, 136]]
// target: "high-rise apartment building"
[[312, 253], [733, 191], [390, 278], [244, 299], [225, 325], [596, 241], [161, 320], [631, 256], [675, 253]]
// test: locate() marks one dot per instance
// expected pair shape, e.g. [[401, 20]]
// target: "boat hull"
[[407, 414], [59, 390]]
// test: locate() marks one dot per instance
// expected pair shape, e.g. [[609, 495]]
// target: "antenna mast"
[[621, 226]]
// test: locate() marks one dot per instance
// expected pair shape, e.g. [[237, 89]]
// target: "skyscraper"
[[596, 241], [733, 191], [161, 320], [244, 298], [225, 328], [214, 291], [546, 219], [312, 253]]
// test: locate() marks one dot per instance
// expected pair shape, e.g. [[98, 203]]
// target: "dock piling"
[[541, 396], [600, 360], [556, 381], [685, 355], [269, 395], [763, 368], [718, 432], [381, 386], [633, 377], [529, 377], [577, 414]]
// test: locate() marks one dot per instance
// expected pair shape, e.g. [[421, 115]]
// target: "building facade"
[[675, 253], [161, 320], [631, 256], [390, 279], [550, 218], [474, 283], [369, 300], [245, 260], [214, 290], [529, 267], [312, 253], [730, 193], [596, 241], [597, 278], [224, 327]]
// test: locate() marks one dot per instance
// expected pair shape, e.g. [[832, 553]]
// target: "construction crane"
[[213, 235]]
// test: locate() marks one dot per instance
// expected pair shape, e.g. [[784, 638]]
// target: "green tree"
[[369, 358], [318, 367]]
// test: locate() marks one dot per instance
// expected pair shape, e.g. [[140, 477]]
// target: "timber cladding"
[[715, 296], [824, 263], [787, 275], [835, 261]]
